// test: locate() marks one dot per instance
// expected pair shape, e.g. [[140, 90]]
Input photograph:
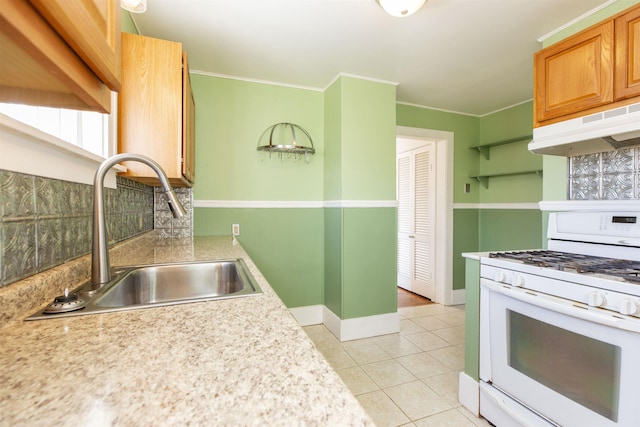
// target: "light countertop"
[[475, 255], [241, 361]]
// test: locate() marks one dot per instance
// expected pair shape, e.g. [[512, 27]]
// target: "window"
[[57, 143], [85, 129]]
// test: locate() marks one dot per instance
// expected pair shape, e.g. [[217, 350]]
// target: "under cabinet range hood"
[[605, 131]]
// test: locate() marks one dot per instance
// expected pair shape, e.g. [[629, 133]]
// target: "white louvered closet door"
[[404, 177], [416, 225]]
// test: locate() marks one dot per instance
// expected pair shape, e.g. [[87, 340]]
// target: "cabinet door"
[[38, 67], [92, 29], [416, 220], [627, 27], [575, 74], [150, 104], [188, 125]]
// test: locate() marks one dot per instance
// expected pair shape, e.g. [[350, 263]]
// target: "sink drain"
[[65, 303]]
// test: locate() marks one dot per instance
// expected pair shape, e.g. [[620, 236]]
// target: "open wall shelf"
[[484, 179], [485, 148]]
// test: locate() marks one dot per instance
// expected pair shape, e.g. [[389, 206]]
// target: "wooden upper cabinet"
[[592, 71], [627, 80], [92, 29], [156, 112], [188, 125], [60, 53], [575, 74]]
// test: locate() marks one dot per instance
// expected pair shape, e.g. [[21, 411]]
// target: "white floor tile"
[[451, 334], [417, 400], [409, 378], [446, 385], [422, 365], [321, 337], [338, 358], [450, 418], [451, 356], [427, 341], [477, 421], [382, 409], [357, 380], [396, 346], [408, 326], [388, 373], [453, 318], [430, 323], [364, 352]]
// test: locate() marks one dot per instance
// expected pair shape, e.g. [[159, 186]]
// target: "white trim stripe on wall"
[[317, 204], [284, 204], [511, 206]]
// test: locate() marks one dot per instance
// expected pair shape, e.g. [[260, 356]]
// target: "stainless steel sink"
[[145, 286]]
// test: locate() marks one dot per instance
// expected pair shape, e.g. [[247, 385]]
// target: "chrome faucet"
[[100, 268]]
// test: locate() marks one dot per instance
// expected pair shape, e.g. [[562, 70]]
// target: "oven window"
[[580, 368]]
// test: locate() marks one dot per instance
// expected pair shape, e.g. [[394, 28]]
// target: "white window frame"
[[28, 150]]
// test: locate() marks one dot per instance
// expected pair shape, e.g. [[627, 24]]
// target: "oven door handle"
[[563, 306]]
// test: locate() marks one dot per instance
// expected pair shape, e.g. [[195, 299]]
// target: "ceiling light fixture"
[[401, 8], [135, 6]]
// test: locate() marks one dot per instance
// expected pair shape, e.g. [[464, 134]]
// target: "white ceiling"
[[466, 56]]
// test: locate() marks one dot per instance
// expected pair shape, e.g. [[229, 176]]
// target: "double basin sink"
[[146, 286]]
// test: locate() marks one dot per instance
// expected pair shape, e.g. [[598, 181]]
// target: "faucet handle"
[[177, 209]]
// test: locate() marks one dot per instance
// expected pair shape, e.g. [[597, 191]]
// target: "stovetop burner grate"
[[624, 269]]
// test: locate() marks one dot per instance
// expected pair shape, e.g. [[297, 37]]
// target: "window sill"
[[30, 151]]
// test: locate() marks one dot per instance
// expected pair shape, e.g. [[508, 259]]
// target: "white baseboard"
[[308, 315], [347, 329], [361, 327], [469, 393], [458, 297]]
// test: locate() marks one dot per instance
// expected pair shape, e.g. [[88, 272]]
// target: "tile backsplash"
[[613, 175], [45, 222]]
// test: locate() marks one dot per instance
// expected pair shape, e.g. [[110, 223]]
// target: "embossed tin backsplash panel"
[[613, 175], [45, 222]]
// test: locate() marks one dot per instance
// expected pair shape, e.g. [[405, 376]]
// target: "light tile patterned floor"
[[409, 378]]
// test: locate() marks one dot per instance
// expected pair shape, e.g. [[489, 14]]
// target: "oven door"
[[575, 366]]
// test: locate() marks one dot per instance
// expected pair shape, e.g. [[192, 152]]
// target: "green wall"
[[360, 243], [286, 244], [512, 124], [509, 229], [333, 253], [333, 150], [369, 262], [466, 130], [482, 229], [127, 23], [368, 126], [231, 115], [344, 258], [472, 320], [334, 258]]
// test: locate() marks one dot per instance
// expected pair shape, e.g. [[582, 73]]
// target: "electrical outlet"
[[467, 187], [235, 229]]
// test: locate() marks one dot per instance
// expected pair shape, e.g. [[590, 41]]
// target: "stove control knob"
[[501, 276], [518, 280], [628, 307], [596, 299]]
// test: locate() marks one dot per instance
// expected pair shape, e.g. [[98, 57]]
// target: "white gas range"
[[560, 328]]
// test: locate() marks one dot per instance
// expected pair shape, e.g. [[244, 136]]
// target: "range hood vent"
[[605, 131]]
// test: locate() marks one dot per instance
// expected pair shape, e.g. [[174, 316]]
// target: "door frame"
[[443, 263]]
